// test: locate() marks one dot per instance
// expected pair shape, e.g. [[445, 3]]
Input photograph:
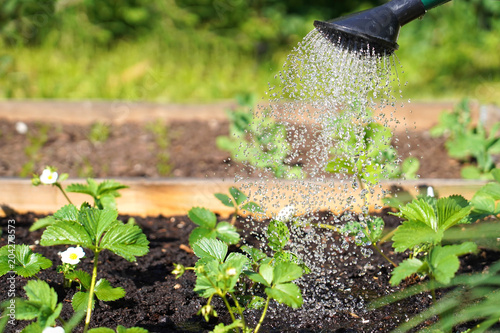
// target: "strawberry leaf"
[[125, 240], [286, 272], [105, 292], [80, 300], [406, 269], [286, 293], [237, 195], [227, 233], [414, 233], [225, 199], [444, 260], [67, 233], [203, 217], [278, 235], [26, 263], [41, 304], [210, 248]]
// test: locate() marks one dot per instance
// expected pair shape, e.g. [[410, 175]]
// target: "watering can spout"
[[375, 30]]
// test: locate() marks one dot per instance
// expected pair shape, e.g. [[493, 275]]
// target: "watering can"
[[375, 30]]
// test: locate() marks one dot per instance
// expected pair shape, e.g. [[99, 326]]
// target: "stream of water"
[[327, 99]]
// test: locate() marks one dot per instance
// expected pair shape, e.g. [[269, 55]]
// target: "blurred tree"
[[25, 21]]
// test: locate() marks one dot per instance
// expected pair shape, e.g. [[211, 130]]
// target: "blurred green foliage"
[[25, 21], [161, 50], [454, 51]]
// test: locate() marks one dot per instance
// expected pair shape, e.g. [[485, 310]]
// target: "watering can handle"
[[429, 4]]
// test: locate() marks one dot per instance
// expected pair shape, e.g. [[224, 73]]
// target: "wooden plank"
[[419, 115], [176, 196]]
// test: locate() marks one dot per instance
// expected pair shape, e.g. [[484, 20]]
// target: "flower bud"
[[207, 311], [231, 271], [178, 270]]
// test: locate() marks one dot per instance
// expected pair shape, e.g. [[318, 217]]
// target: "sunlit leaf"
[[66, 233], [225, 199], [126, 240], [203, 217], [211, 248], [105, 292], [25, 262], [227, 233], [286, 272], [286, 293], [406, 269]]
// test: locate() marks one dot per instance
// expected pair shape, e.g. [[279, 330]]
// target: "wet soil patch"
[[158, 302]]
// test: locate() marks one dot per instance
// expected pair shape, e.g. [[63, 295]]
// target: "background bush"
[[162, 50]]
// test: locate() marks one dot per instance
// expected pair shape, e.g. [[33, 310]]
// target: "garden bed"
[[158, 302], [159, 202]]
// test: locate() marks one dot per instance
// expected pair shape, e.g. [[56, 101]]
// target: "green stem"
[[326, 226], [383, 255], [62, 321], [63, 192], [91, 293], [228, 306], [261, 320], [387, 236], [240, 311]]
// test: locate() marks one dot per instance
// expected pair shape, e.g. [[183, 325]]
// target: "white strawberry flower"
[[48, 176], [430, 191], [57, 329], [286, 214], [72, 255]]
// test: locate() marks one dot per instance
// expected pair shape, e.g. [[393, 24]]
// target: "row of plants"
[[91, 227], [262, 143], [433, 234], [472, 143], [364, 151]]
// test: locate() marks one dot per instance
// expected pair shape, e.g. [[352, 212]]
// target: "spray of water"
[[327, 98]]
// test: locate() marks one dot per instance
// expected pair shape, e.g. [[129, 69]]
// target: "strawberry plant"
[[469, 143]]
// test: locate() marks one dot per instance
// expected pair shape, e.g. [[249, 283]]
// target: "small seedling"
[[422, 233], [21, 260], [367, 233], [469, 143], [259, 141], [218, 273], [32, 151], [99, 132], [96, 230], [366, 153], [160, 133], [236, 201]]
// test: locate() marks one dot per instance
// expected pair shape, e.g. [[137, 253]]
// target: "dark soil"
[[132, 150], [158, 302]]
